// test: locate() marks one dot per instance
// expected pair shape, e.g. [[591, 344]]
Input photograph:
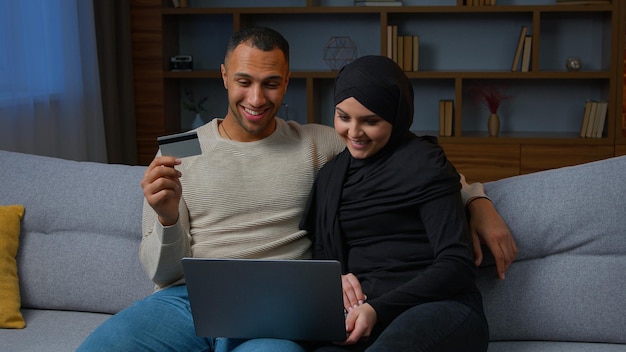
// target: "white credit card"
[[180, 145]]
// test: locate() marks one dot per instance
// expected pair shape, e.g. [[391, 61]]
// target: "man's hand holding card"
[[180, 145]]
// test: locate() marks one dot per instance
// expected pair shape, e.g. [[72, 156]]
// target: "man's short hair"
[[262, 38]]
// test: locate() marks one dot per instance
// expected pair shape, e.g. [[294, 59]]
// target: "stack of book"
[[403, 49], [446, 117], [583, 2], [523, 51], [377, 3], [594, 118], [480, 2]]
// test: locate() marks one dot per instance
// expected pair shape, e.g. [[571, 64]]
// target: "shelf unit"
[[620, 124], [460, 46]]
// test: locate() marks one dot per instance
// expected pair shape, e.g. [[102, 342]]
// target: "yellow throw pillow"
[[10, 302]]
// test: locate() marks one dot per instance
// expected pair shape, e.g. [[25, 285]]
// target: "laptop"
[[298, 300]]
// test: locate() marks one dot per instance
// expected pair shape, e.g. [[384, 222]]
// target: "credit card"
[[180, 145]]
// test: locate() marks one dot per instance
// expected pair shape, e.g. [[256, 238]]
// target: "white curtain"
[[49, 86]]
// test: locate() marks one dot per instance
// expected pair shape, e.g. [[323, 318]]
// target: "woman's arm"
[[487, 227], [452, 270]]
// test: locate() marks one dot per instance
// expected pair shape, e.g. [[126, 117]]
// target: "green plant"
[[190, 103]]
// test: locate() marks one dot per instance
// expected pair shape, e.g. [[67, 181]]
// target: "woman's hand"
[[353, 295], [359, 323], [487, 227]]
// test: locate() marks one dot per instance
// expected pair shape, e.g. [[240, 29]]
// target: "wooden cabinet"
[[460, 47]]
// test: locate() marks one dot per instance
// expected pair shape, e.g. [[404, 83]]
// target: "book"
[[518, 49], [592, 118], [390, 41], [586, 116], [416, 53], [598, 128], [400, 51], [583, 2], [378, 3], [176, 3], [528, 43], [448, 117], [394, 43], [442, 117], [407, 61]]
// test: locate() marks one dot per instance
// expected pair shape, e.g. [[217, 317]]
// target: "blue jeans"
[[437, 326], [163, 322]]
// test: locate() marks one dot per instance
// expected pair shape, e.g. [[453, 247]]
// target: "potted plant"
[[492, 96], [197, 107]]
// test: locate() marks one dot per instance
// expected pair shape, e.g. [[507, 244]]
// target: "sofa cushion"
[[51, 330], [552, 346], [10, 315], [80, 234], [567, 281]]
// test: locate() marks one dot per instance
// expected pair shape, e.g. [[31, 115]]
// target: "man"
[[242, 198]]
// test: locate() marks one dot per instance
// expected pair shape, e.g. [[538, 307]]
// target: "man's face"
[[256, 81]]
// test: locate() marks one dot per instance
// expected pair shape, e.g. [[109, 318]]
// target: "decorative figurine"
[[573, 64]]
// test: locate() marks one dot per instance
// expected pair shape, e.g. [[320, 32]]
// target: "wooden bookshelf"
[[539, 126]]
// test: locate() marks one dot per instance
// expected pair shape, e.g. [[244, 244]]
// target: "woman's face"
[[363, 132]]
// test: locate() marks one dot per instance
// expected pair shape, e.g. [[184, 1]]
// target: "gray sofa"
[[566, 291]]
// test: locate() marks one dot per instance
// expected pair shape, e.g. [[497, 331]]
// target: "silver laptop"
[[249, 298]]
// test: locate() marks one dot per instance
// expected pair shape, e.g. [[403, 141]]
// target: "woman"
[[389, 209]]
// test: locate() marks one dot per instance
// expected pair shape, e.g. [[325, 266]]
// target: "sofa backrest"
[[80, 232], [568, 282]]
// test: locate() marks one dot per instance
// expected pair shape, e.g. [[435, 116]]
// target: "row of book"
[[594, 118], [522, 58], [377, 3], [403, 49], [446, 117], [480, 2]]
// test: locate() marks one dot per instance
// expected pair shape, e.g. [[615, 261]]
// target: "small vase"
[[197, 122], [493, 125]]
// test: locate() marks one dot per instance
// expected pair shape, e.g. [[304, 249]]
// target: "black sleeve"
[[452, 271]]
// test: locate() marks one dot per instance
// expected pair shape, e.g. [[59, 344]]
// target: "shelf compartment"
[[536, 106], [308, 55]]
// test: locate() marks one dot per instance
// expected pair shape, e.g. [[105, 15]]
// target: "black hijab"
[[405, 172]]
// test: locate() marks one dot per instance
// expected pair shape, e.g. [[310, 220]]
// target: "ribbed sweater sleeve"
[[469, 191]]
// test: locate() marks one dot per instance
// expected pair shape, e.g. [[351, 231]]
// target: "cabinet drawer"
[[543, 157], [484, 162]]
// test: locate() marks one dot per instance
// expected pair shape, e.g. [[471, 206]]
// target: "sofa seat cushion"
[[553, 346], [51, 330]]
